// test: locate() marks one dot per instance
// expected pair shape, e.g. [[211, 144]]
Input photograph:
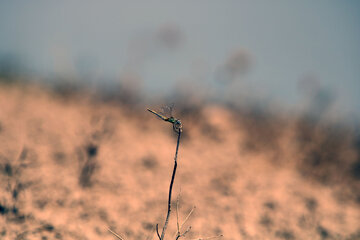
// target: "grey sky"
[[287, 40]]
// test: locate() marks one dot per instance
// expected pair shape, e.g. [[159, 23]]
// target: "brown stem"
[[157, 231], [171, 186]]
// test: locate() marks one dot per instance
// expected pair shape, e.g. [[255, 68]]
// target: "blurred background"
[[261, 51], [268, 92]]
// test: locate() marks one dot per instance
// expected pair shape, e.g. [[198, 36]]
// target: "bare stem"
[[207, 238], [157, 231], [183, 235], [177, 215], [182, 224], [187, 217], [115, 234], [171, 186]]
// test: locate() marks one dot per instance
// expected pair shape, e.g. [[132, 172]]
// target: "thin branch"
[[177, 215], [183, 235], [207, 238], [171, 186], [157, 231], [186, 219], [187, 230], [115, 234]]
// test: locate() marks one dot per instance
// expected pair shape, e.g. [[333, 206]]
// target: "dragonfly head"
[[177, 125]]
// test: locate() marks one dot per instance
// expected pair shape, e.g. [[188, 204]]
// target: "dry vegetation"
[[70, 166]]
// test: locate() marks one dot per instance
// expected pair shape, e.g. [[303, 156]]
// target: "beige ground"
[[71, 167]]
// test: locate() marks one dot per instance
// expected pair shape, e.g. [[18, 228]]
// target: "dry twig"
[[178, 234], [207, 238], [171, 186], [115, 234]]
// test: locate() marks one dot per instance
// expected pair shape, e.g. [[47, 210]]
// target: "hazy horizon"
[[276, 47]]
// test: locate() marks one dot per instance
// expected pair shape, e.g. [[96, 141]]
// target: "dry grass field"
[[71, 166]]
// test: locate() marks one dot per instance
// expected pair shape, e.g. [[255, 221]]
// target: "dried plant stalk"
[[171, 186]]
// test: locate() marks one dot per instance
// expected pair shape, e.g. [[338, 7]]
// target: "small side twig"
[[157, 231], [115, 234], [183, 234], [207, 238], [177, 216], [187, 217], [178, 234]]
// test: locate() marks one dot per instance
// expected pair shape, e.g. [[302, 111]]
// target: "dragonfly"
[[167, 110]]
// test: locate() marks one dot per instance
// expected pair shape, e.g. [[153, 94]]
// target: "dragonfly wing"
[[167, 110]]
